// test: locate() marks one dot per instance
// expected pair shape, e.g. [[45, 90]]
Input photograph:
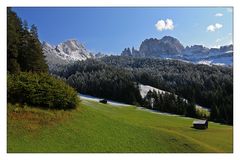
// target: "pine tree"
[[38, 64], [31, 57], [214, 116], [24, 50], [24, 54], [191, 110], [13, 41]]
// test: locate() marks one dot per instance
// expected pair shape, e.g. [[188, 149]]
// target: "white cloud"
[[218, 26], [214, 27], [218, 14], [211, 28], [164, 25]]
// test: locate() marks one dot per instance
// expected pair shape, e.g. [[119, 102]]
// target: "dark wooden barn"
[[103, 101], [200, 124]]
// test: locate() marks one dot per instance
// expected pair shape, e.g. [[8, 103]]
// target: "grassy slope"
[[98, 127]]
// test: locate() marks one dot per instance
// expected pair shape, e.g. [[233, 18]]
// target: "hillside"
[[96, 127], [115, 78], [145, 88]]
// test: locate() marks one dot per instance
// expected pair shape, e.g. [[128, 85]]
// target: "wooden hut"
[[103, 101], [200, 124]]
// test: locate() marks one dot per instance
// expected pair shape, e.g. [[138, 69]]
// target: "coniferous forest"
[[28, 81], [115, 76]]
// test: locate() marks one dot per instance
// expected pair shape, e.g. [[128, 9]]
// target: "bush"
[[202, 113], [40, 90]]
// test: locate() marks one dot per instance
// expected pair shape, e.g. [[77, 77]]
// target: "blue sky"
[[110, 30]]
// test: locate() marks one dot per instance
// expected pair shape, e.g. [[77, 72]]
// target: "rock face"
[[72, 50], [135, 52], [63, 53], [227, 48], [126, 52], [170, 45], [198, 49], [100, 55], [154, 47], [150, 47], [171, 48]]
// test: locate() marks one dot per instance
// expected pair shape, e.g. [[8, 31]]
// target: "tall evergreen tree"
[[40, 63], [24, 48], [31, 57], [24, 54], [214, 116], [13, 41]]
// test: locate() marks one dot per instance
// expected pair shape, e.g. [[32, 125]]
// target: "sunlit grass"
[[95, 127]]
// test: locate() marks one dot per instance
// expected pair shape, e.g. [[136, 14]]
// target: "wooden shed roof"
[[199, 121]]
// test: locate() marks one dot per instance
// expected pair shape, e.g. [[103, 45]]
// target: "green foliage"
[[13, 40], [41, 90], [191, 110], [169, 103], [202, 113], [97, 79], [31, 56], [24, 54], [24, 51]]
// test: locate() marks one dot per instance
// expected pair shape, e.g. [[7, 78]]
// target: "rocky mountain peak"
[[72, 46], [226, 48], [65, 52], [197, 49], [169, 39], [155, 47]]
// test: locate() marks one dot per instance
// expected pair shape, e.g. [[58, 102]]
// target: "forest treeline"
[[209, 86]]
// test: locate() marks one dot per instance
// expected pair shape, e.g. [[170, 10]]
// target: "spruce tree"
[[214, 116], [24, 53], [24, 50], [13, 41]]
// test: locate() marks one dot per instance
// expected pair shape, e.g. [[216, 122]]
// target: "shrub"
[[202, 113], [40, 90]]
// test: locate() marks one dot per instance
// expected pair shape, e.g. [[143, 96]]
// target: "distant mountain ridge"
[[153, 47], [171, 48], [167, 48]]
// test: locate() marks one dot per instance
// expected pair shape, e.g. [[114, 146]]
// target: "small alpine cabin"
[[200, 124], [103, 101]]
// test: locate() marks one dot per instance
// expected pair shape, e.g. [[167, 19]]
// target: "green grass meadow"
[[95, 127]]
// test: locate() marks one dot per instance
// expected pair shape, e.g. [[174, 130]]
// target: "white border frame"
[[111, 3]]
